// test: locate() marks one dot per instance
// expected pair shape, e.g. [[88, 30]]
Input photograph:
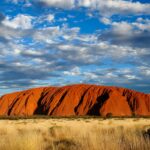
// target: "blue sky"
[[59, 42]]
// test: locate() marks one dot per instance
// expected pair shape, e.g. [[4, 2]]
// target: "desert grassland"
[[75, 134]]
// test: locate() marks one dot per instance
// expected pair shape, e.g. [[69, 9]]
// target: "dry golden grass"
[[74, 134]]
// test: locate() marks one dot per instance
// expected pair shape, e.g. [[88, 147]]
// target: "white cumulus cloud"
[[59, 3], [20, 21], [50, 17]]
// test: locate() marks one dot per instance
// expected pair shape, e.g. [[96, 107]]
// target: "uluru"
[[76, 100]]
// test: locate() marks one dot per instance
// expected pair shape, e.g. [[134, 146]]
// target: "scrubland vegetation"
[[75, 134]]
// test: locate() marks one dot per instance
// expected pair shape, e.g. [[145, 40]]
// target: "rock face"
[[72, 100]]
